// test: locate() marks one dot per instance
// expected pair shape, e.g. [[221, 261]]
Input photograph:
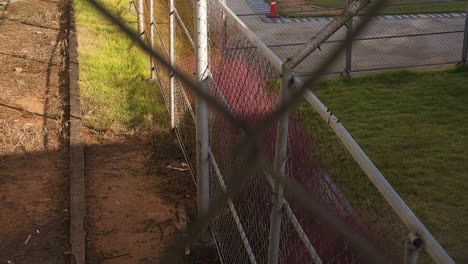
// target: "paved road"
[[367, 54]]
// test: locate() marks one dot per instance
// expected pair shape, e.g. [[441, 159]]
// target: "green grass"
[[389, 10], [113, 73], [413, 127]]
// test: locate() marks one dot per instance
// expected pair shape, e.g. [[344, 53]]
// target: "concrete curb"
[[77, 182], [383, 17]]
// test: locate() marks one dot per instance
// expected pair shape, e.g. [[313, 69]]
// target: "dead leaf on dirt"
[[149, 117], [20, 82], [27, 126], [18, 69], [181, 217], [181, 222]]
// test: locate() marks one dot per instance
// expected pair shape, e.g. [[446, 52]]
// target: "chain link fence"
[[398, 38], [286, 182]]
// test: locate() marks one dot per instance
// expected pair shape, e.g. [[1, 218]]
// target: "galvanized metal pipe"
[[281, 157], [433, 248], [268, 53], [202, 137], [171, 61], [239, 226], [184, 28], [141, 19], [286, 208], [349, 48], [314, 43], [412, 248], [152, 28], [305, 240], [224, 27], [465, 39], [297, 226]]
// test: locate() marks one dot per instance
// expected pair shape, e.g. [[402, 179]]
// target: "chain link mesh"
[[247, 83], [320, 163], [391, 41], [409, 43]]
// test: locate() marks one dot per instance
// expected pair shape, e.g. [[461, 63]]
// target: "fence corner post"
[[202, 115], [281, 150], [464, 60], [172, 62]]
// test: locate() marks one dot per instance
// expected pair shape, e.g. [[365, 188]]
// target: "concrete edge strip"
[[383, 17], [77, 182]]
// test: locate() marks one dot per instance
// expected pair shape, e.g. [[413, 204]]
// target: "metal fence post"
[[224, 27], [281, 149], [413, 245], [201, 64], [349, 48], [465, 40], [151, 41], [141, 19], [171, 60]]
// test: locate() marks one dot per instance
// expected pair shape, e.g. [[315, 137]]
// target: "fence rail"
[[267, 221]]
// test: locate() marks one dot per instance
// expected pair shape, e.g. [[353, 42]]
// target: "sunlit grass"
[[412, 125], [113, 73]]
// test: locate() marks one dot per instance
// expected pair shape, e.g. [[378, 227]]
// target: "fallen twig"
[[161, 230], [27, 239], [116, 256], [184, 167]]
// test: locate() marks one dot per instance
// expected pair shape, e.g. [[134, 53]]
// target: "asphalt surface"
[[285, 40]]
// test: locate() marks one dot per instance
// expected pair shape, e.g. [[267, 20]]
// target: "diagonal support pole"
[[315, 42]]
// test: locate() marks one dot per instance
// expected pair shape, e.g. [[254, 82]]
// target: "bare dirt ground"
[[136, 200], [33, 162]]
